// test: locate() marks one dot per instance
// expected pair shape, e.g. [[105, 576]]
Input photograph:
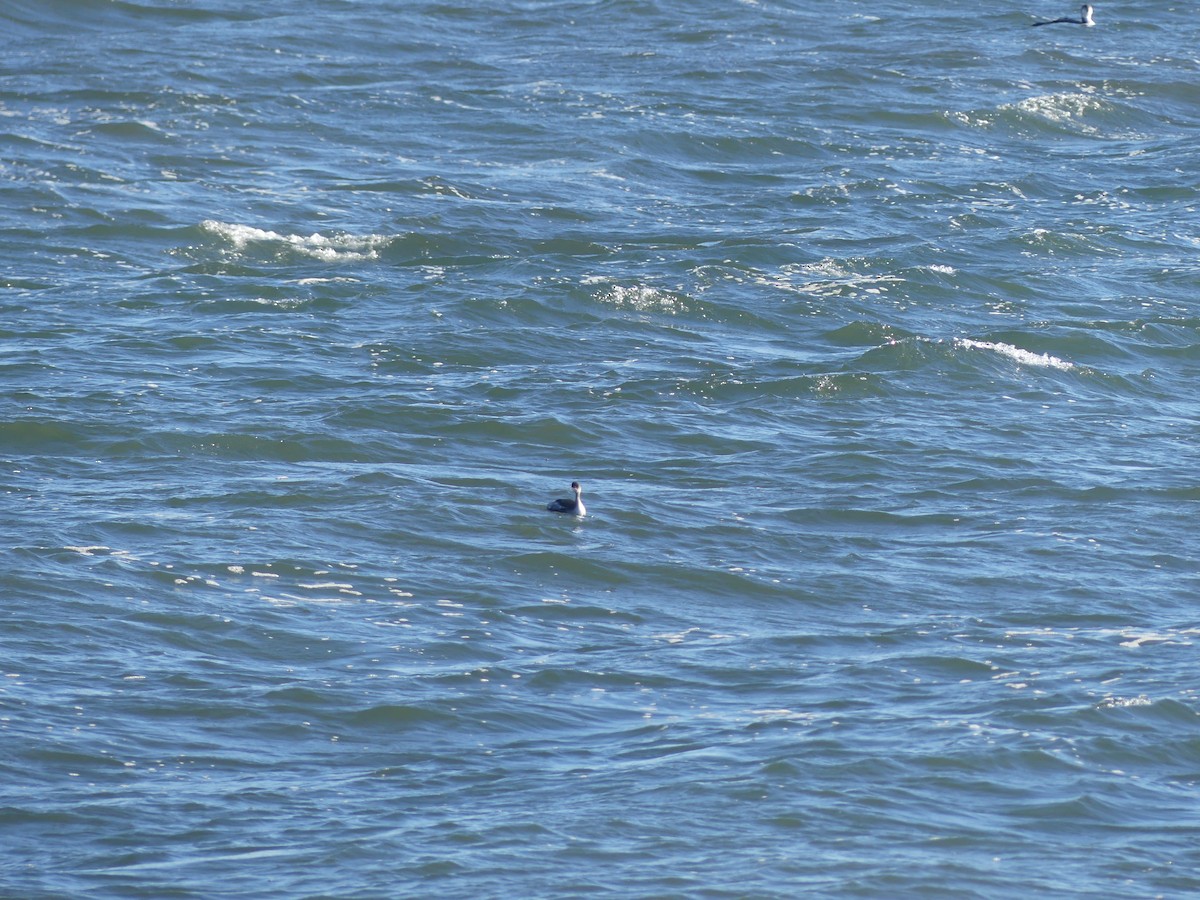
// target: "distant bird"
[[1085, 18], [574, 505]]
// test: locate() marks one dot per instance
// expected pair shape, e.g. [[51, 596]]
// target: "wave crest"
[[326, 248]]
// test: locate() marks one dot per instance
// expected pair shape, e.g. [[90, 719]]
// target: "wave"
[[55, 17], [915, 353], [251, 241], [45, 438], [249, 244], [1009, 363], [1080, 113], [1018, 355]]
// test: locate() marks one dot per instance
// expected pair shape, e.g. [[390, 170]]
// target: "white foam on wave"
[[638, 297], [1150, 638], [1125, 702], [1024, 357], [1084, 111], [1059, 108], [335, 248], [829, 277], [1063, 109]]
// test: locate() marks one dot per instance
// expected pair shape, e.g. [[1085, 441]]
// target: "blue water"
[[871, 330]]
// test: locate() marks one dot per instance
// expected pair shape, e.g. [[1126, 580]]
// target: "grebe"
[[570, 506], [1085, 18]]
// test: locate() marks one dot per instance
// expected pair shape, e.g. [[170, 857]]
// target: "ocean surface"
[[872, 331]]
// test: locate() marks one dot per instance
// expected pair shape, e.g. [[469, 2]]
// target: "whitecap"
[[1137, 641], [1061, 108], [1024, 357], [640, 297], [829, 277], [1125, 702], [327, 248]]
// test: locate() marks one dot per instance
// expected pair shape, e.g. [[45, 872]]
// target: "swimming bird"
[[570, 505], [1085, 18]]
